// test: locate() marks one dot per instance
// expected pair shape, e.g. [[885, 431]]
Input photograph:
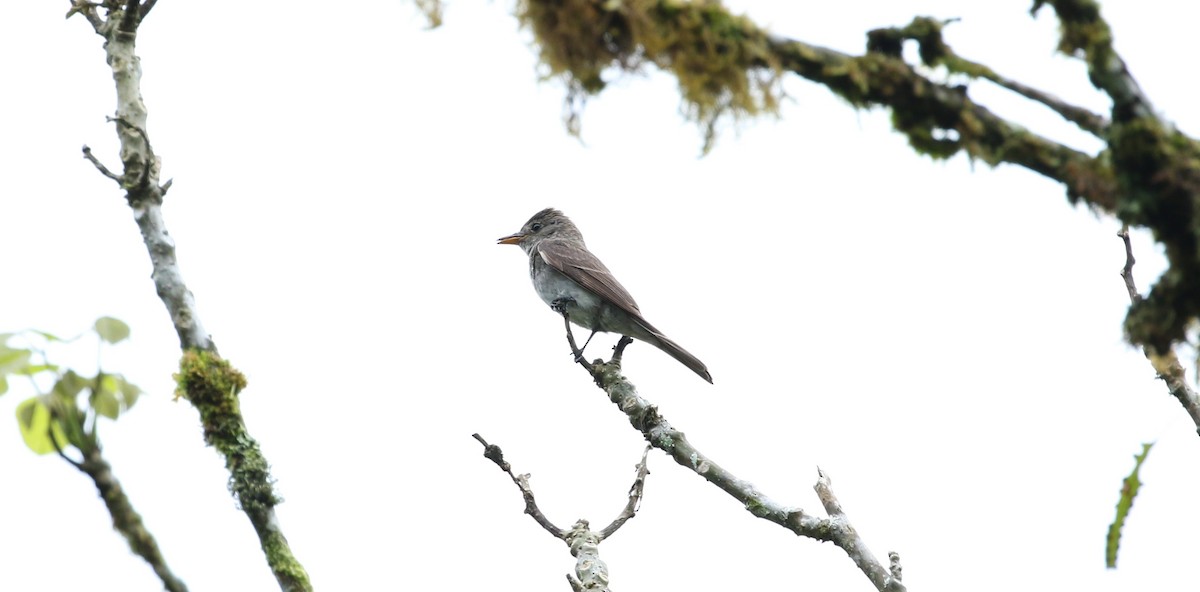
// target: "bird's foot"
[[559, 305]]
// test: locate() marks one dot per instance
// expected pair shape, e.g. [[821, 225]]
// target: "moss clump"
[[722, 61], [212, 385], [205, 378]]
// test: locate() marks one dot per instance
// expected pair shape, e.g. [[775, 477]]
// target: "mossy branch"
[[1148, 176], [205, 379], [212, 385]]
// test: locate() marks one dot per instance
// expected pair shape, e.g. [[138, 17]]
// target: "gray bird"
[[567, 276]]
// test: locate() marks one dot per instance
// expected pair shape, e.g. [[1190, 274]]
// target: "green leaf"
[[32, 369], [70, 384], [105, 403], [1129, 491], [112, 330], [129, 392], [3, 384], [113, 395], [35, 422], [13, 360], [47, 336]]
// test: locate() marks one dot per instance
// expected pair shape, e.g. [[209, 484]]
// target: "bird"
[[570, 278]]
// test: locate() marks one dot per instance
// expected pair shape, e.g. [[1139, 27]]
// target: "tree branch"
[[125, 519], [927, 32], [206, 380], [591, 573], [1166, 364], [660, 434], [726, 65], [494, 454], [635, 498]]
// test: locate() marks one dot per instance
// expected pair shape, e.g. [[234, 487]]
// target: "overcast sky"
[[942, 338]]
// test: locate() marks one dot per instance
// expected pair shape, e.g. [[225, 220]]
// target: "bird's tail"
[[662, 342]]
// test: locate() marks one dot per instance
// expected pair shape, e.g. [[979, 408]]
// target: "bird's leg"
[[579, 354], [571, 338]]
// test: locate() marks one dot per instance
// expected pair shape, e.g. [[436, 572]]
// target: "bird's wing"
[[586, 270]]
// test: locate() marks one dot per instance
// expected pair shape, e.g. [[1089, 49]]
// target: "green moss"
[[722, 62], [206, 378], [212, 385]]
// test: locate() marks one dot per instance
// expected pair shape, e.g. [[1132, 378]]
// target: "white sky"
[[944, 339]]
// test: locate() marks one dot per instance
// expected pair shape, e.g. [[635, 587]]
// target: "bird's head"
[[546, 224]]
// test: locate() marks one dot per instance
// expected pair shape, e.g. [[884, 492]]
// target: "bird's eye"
[[536, 226]]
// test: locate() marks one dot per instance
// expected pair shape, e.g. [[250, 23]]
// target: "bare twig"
[[1166, 364], [847, 537], [59, 450], [660, 434], [88, 10], [494, 454], [1087, 121], [87, 153], [635, 498], [591, 573]]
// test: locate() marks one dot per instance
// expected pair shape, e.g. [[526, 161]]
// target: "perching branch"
[[206, 380], [1167, 364], [591, 573], [660, 434]]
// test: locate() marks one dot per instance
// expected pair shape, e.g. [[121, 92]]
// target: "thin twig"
[[494, 454], [148, 163], [59, 450], [1167, 364], [635, 498], [87, 153], [1087, 121]]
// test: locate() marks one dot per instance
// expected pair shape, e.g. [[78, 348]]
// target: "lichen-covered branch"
[[206, 380], [662, 435]]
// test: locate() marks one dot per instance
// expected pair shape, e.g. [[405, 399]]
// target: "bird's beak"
[[511, 239]]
